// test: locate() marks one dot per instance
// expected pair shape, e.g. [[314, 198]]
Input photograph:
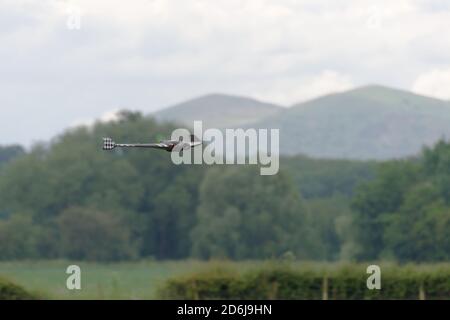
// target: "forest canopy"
[[69, 199]]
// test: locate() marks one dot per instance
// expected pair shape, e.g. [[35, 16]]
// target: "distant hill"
[[218, 111], [371, 122]]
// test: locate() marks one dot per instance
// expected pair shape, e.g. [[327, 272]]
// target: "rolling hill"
[[371, 122], [218, 111]]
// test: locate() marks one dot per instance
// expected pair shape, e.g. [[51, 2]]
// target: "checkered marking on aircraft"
[[108, 144]]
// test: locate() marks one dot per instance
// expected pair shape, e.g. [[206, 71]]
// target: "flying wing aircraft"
[[168, 145]]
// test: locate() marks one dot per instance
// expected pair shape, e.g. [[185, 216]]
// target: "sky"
[[65, 63]]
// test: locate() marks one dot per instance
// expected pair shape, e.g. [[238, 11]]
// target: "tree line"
[[69, 199]]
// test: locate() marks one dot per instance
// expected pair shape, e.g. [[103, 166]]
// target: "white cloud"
[[294, 90], [435, 83], [109, 116], [146, 54], [327, 82]]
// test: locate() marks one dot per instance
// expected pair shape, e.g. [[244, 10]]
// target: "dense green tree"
[[155, 198], [69, 199], [323, 178], [87, 234], [173, 217], [244, 215], [18, 238], [436, 165], [375, 199], [330, 219], [8, 153], [404, 213]]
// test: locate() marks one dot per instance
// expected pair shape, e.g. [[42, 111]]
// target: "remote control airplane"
[[168, 145]]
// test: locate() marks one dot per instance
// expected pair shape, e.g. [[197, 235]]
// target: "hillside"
[[371, 122], [218, 111]]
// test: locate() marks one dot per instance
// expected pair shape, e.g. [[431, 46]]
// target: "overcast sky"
[[68, 62]]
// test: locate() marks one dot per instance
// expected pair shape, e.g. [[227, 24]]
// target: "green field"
[[136, 280], [141, 280], [128, 280]]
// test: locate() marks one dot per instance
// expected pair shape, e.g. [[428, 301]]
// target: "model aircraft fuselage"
[[168, 145]]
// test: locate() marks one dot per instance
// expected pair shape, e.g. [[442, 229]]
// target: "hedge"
[[11, 291], [344, 283]]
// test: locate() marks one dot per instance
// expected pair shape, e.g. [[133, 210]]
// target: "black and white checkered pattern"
[[108, 144]]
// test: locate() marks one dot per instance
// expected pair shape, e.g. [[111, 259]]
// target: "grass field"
[[137, 280], [128, 280], [131, 280]]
